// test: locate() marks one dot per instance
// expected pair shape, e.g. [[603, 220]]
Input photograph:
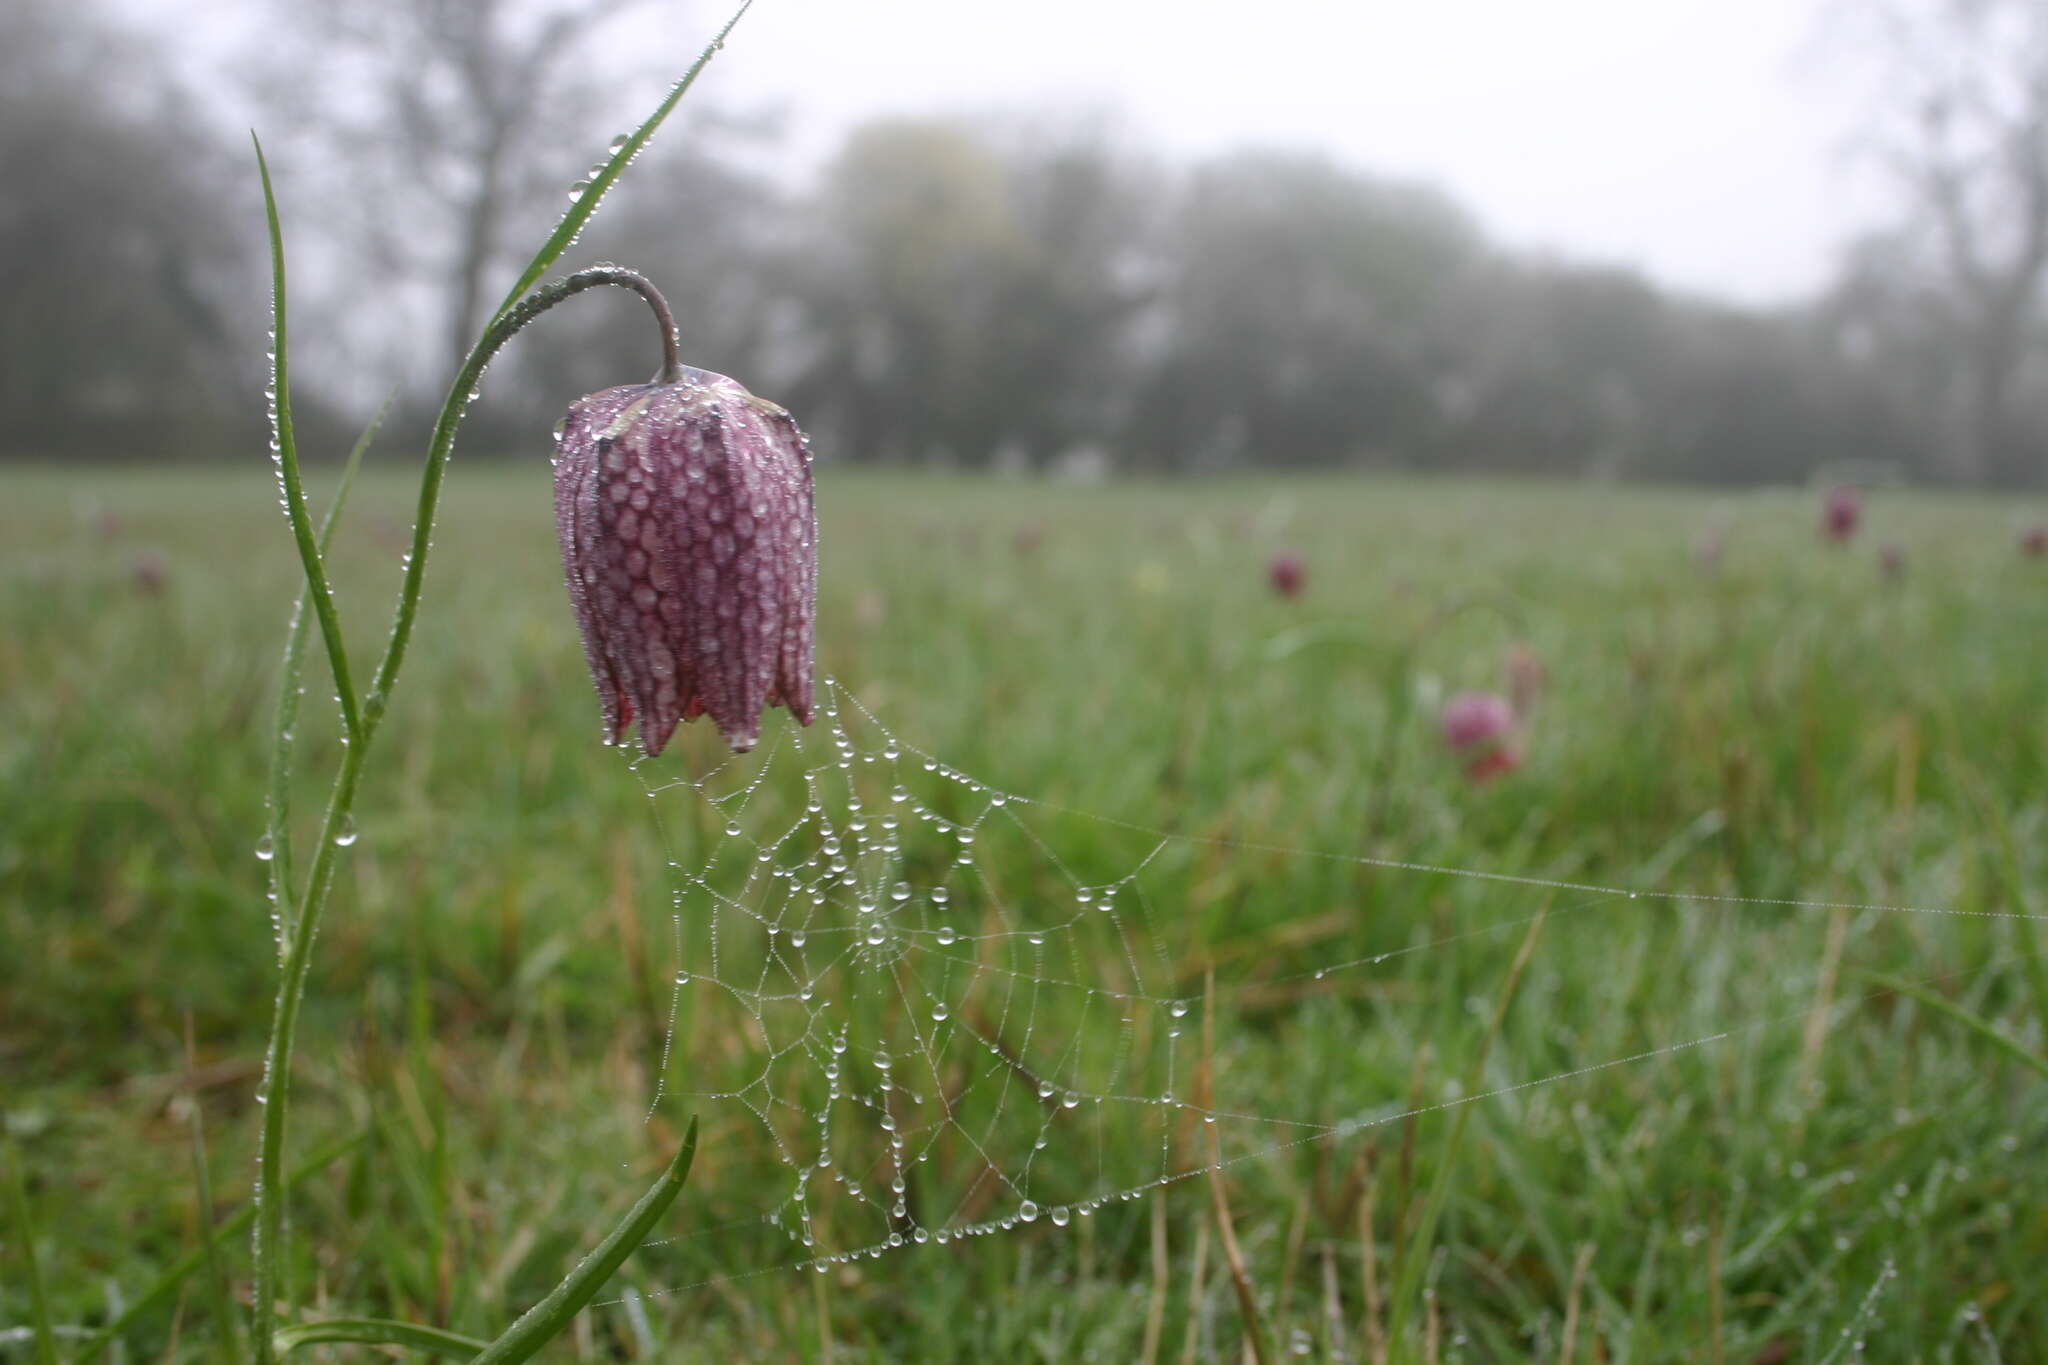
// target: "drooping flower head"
[[1480, 728], [1471, 719], [1840, 513], [1287, 574], [689, 539]]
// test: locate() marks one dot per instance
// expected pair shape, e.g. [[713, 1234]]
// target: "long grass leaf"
[[25, 1234], [217, 1290], [567, 230], [234, 1225], [1415, 1255], [285, 724], [377, 1332], [1975, 1023], [540, 1324], [287, 453]]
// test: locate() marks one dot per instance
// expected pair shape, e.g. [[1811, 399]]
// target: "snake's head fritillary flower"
[[1287, 574], [2034, 542], [1472, 719], [689, 538], [149, 571], [1480, 728], [1840, 514]]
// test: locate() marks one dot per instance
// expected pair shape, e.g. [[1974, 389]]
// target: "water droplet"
[[346, 835], [578, 190], [265, 850], [946, 934], [939, 1012], [1061, 1215], [1028, 1211]]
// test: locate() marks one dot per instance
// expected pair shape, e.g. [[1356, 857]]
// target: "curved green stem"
[[360, 724], [305, 925], [502, 329]]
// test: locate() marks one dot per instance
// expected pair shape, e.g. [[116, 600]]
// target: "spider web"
[[948, 1010]]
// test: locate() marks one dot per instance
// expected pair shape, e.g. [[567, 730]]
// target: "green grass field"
[[1713, 1129]]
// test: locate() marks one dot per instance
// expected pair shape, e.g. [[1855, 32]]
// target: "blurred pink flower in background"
[[2034, 542], [1708, 549], [1287, 574], [1840, 514], [149, 572], [1474, 718], [1480, 726]]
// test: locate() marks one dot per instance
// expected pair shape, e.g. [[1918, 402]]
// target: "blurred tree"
[[124, 306], [1301, 320], [966, 289], [1557, 368], [1961, 121], [478, 112]]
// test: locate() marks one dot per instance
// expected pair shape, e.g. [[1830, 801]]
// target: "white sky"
[[1705, 141]]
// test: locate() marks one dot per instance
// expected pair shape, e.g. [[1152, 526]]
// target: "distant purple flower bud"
[[1708, 550], [2034, 542], [1287, 574], [1840, 513], [1471, 719], [149, 572], [1526, 677], [690, 543]]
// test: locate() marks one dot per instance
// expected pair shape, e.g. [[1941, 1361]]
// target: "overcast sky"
[[1705, 141]]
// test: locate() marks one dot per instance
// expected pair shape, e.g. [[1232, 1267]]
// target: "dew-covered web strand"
[[906, 998]]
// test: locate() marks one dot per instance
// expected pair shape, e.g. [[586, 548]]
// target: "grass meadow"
[[1796, 1114]]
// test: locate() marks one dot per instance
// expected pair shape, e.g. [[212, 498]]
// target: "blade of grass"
[[233, 1226], [1975, 1023], [2024, 931], [1226, 1231], [25, 1233], [377, 1332], [287, 452], [571, 226], [540, 1324], [1415, 1256], [219, 1298], [284, 725]]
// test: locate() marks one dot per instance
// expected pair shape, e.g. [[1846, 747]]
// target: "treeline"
[[1024, 294]]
